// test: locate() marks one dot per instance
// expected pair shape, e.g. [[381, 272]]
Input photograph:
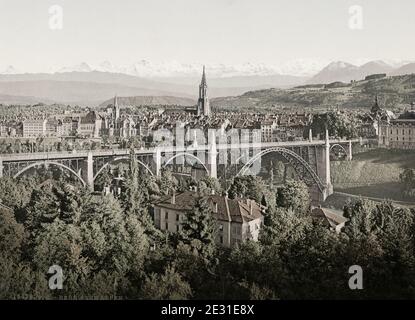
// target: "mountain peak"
[[340, 65], [82, 67], [9, 70]]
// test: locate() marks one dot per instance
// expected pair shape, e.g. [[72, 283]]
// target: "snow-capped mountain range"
[[174, 69]]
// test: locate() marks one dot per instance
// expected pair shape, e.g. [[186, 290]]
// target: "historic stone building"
[[237, 220], [399, 133]]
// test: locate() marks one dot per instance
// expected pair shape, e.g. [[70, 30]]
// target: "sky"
[[209, 31]]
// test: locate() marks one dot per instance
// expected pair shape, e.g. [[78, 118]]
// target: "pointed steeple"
[[376, 109], [203, 76], [116, 108], [203, 107], [115, 101]]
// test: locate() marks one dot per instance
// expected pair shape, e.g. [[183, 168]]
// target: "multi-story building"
[[237, 220], [52, 127], [34, 127], [267, 128], [65, 127], [399, 133], [3, 130], [89, 126]]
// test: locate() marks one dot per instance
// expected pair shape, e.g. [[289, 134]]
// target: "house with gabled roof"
[[238, 220]]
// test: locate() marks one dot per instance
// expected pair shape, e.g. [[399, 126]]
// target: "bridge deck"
[[44, 156]]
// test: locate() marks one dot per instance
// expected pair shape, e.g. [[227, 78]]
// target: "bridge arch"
[[288, 154], [50, 163], [336, 145], [120, 159], [186, 154]]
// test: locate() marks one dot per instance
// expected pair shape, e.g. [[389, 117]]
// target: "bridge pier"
[[328, 190], [158, 162], [212, 161], [350, 153], [323, 171], [87, 171]]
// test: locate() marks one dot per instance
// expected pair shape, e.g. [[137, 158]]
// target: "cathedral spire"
[[116, 108], [115, 101], [204, 76], [203, 107]]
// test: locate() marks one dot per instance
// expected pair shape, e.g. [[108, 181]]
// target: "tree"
[[252, 187], [339, 125], [133, 196], [167, 182], [114, 240], [14, 194], [278, 172], [207, 185], [294, 195], [167, 286], [104, 179], [43, 207], [20, 281], [60, 244], [407, 178], [11, 234], [199, 229]]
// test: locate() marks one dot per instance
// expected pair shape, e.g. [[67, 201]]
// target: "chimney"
[[173, 198]]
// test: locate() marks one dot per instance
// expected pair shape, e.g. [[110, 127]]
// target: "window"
[[167, 226], [221, 239], [177, 227], [220, 227], [166, 215], [177, 217]]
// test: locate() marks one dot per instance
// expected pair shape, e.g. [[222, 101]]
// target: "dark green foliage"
[[106, 246], [248, 186], [339, 125], [199, 230], [407, 178], [294, 195], [167, 286]]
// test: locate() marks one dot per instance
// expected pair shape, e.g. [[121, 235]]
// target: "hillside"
[[22, 100], [151, 100], [73, 92], [395, 92], [346, 72], [70, 87]]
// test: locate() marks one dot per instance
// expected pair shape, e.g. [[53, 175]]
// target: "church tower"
[[116, 111], [203, 107]]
